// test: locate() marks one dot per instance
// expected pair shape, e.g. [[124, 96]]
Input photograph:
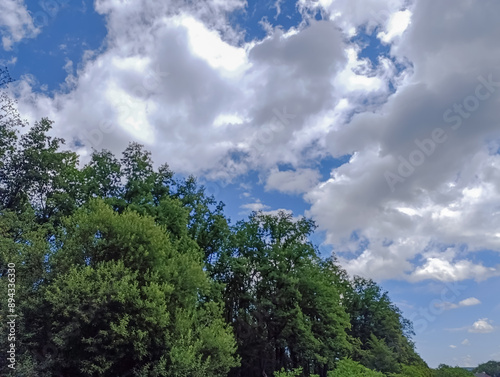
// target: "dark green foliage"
[[121, 297], [350, 368], [207, 224], [379, 356], [293, 373], [447, 371], [144, 186], [280, 298], [413, 371], [384, 336], [102, 176], [491, 368]]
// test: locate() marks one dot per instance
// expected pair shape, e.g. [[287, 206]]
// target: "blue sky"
[[378, 119]]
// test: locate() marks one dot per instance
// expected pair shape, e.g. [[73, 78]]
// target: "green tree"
[[133, 183], [350, 368], [23, 243], [282, 303], [413, 371], [491, 368], [10, 122], [37, 174], [144, 187], [120, 297], [207, 224], [379, 356], [378, 328], [102, 176], [446, 371], [128, 271], [293, 373]]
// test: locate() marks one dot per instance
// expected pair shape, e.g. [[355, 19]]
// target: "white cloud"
[[482, 326], [181, 81], [354, 14], [277, 5], [450, 203], [292, 181], [452, 346], [11, 61], [465, 342], [444, 270], [397, 24], [208, 45], [16, 23], [254, 207], [471, 301], [450, 305]]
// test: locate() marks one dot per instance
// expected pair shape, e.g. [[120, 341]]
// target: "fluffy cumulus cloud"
[[421, 189], [423, 180], [179, 79], [482, 326], [292, 181], [16, 23], [436, 268], [471, 301]]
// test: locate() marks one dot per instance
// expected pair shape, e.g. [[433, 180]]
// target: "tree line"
[[124, 269]]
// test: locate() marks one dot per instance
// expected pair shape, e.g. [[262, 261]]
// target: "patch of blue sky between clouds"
[[248, 193], [371, 47], [329, 163], [283, 14], [68, 29], [271, 199], [250, 188], [489, 258]]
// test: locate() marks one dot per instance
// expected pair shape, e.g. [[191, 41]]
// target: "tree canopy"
[[491, 368], [125, 269]]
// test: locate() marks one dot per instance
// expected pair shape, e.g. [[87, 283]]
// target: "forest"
[[118, 267]]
